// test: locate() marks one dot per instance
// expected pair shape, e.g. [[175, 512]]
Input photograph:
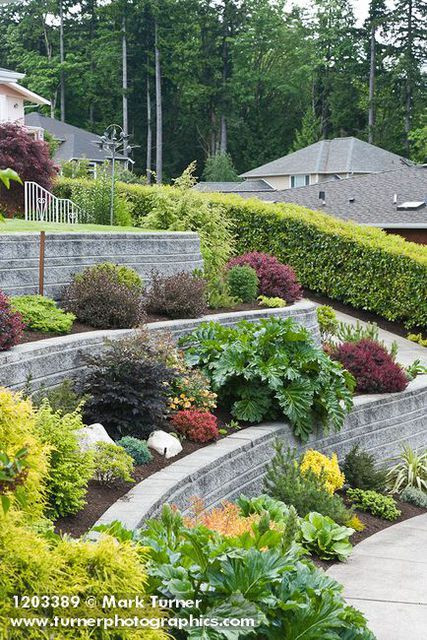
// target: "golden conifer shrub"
[[325, 468]]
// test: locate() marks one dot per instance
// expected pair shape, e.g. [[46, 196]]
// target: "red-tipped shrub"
[[275, 278], [11, 325], [372, 366], [198, 426]]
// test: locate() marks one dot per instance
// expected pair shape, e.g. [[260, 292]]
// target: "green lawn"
[[15, 225]]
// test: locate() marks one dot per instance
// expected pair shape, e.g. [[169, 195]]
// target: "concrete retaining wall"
[[68, 253], [47, 362], [236, 464]]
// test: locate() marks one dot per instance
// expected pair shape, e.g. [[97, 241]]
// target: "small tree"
[[29, 158], [309, 133], [220, 168]]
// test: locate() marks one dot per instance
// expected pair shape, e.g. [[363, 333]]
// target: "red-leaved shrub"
[[198, 426], [29, 158], [11, 325], [181, 295], [275, 278], [372, 366]]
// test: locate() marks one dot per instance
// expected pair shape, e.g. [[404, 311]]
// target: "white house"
[[13, 97]]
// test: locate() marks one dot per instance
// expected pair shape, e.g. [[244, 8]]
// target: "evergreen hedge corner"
[[362, 266], [359, 265]]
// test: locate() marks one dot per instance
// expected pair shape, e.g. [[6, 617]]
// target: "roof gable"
[[75, 142], [339, 155]]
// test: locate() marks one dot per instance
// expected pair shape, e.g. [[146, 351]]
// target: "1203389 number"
[[46, 601]]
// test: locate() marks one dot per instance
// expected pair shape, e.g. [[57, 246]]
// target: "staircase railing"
[[43, 206]]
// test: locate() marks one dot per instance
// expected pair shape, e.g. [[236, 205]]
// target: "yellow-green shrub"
[[33, 564], [18, 430], [326, 468], [70, 469]]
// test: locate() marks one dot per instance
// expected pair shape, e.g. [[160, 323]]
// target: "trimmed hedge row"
[[359, 265], [362, 266]]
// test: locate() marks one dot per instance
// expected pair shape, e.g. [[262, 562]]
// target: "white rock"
[[161, 441], [90, 435]]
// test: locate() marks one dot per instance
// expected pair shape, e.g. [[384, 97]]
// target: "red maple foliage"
[[29, 158], [11, 325], [372, 366], [198, 426], [275, 278]]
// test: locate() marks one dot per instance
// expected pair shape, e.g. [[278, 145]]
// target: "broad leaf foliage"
[[270, 369]]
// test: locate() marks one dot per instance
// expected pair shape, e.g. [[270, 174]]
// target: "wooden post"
[[41, 262]]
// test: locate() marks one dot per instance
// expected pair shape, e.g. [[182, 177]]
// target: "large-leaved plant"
[[270, 588], [272, 369]]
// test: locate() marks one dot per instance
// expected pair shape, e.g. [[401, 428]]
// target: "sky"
[[360, 7]]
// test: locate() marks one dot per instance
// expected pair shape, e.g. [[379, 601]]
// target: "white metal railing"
[[43, 206]]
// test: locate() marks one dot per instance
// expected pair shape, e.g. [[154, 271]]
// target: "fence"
[[43, 206]]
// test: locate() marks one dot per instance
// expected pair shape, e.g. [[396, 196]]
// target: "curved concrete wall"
[[47, 362], [236, 464], [68, 253]]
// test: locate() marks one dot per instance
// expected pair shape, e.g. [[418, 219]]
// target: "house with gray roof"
[[394, 200], [75, 143], [326, 160]]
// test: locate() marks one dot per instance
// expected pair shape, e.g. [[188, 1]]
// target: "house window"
[[300, 180], [92, 169]]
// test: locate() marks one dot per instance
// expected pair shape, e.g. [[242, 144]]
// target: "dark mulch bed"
[[373, 525], [35, 336], [100, 497], [78, 327], [366, 316]]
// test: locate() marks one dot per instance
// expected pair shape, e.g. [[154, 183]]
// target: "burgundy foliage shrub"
[[100, 299], [372, 366], [29, 158], [275, 278], [181, 295], [198, 426], [11, 325]]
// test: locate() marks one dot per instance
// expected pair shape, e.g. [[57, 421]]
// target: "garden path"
[[386, 579]]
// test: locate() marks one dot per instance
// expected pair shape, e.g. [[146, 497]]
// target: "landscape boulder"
[[164, 443], [91, 434]]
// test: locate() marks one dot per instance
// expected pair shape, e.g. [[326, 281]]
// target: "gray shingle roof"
[[340, 155], [76, 142], [373, 195], [233, 187]]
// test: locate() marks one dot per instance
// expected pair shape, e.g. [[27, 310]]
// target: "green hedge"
[[362, 266]]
